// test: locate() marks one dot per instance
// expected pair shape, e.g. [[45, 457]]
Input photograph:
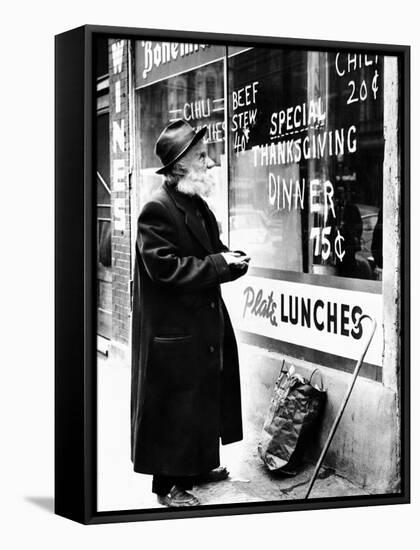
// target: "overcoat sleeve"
[[158, 244]]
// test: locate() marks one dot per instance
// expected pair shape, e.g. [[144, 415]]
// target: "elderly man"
[[185, 393]]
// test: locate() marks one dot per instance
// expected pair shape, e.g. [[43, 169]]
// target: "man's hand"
[[236, 259], [237, 262]]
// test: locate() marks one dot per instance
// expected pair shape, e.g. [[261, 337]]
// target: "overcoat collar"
[[193, 220]]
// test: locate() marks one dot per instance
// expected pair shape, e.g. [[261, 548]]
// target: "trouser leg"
[[161, 485]]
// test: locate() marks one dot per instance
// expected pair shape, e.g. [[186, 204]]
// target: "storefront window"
[[195, 95], [305, 161], [297, 137]]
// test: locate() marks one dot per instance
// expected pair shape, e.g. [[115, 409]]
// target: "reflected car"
[[251, 230], [248, 227]]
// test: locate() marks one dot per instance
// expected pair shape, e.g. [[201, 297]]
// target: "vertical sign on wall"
[[119, 154]]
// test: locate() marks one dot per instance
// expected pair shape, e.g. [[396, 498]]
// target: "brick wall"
[[120, 201]]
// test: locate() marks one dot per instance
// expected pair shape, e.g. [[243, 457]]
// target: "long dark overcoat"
[[183, 398]]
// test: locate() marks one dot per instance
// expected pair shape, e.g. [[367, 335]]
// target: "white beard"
[[196, 183]]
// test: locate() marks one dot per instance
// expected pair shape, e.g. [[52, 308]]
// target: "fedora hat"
[[174, 141]]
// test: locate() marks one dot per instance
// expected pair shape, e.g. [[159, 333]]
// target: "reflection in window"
[[197, 97], [306, 153]]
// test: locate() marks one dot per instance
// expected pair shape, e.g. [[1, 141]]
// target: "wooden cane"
[[343, 406]]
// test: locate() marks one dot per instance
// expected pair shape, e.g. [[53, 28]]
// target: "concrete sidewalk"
[[251, 481], [119, 488]]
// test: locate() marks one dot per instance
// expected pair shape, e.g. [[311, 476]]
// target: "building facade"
[[307, 170]]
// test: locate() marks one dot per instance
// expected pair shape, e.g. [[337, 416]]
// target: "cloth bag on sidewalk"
[[292, 419]]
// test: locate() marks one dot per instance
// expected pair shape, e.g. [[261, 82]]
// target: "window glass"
[[305, 160], [196, 96]]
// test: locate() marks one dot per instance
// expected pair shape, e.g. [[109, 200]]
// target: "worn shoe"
[[218, 474], [177, 498]]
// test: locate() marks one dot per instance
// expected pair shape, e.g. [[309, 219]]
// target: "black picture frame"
[[75, 279]]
